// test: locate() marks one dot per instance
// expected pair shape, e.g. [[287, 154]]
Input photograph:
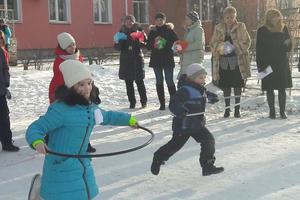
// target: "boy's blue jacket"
[[69, 129], [190, 98]]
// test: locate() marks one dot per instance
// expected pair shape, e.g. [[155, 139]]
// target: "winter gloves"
[[212, 97]]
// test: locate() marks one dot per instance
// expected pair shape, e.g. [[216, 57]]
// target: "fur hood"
[[169, 25]]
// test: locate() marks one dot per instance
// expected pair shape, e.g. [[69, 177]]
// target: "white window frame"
[[19, 6], [99, 11], [68, 10], [146, 2]]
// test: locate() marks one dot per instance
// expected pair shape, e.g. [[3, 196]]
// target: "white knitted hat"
[[74, 71], [194, 70], [64, 40]]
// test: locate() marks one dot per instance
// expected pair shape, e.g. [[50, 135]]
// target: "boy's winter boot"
[[90, 149], [34, 191], [161, 96], [208, 167], [270, 99], [282, 102], [155, 166], [212, 170]]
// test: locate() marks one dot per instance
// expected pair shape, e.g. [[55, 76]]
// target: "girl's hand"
[[41, 148]]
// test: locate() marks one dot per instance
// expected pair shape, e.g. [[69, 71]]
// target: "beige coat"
[[241, 40]]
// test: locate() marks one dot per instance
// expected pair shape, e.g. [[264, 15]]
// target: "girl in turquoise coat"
[[69, 123]]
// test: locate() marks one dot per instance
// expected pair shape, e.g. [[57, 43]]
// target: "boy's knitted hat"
[[64, 40], [193, 15], [74, 71], [195, 70]]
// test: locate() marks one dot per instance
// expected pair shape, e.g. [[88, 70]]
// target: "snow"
[[260, 155]]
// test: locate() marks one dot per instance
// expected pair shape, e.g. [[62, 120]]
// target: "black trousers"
[[141, 89], [5, 132], [203, 136]]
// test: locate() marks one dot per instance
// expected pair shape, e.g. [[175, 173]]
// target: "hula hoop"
[[107, 154]]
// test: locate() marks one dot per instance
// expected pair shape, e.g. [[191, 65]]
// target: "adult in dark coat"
[[273, 43], [132, 61], [5, 131], [162, 57]]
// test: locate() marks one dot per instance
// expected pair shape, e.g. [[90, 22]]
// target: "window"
[[59, 11], [140, 11], [102, 11], [13, 10]]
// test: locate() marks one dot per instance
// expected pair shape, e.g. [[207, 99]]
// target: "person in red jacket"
[[66, 50]]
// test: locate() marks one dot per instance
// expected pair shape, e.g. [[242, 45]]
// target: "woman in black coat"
[[132, 61], [162, 57], [273, 43]]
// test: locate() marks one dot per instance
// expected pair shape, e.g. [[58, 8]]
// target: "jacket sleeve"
[[261, 48], [172, 37], [177, 102], [53, 119], [150, 41], [243, 43], [198, 40], [288, 45], [115, 118]]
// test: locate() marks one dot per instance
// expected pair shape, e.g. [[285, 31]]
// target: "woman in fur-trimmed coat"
[[162, 58], [132, 61], [230, 45], [272, 44]]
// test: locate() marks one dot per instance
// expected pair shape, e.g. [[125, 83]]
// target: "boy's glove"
[[133, 122]]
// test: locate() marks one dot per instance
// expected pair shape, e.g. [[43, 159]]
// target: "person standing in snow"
[[5, 131], [66, 50], [7, 32], [69, 122], [132, 60], [230, 45], [272, 44], [162, 56], [194, 36], [190, 99]]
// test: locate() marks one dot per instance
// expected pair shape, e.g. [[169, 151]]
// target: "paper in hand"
[[266, 72]]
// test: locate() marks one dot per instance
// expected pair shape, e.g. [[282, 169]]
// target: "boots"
[[10, 147], [161, 96], [227, 92], [211, 170], [270, 99], [282, 102], [155, 166], [172, 90], [237, 113], [227, 113], [90, 149], [208, 167]]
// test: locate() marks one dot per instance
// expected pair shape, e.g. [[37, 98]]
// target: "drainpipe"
[[126, 7], [5, 10]]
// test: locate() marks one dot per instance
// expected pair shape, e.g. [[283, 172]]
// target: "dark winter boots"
[[161, 96], [155, 166], [208, 167], [282, 102], [10, 148], [172, 90], [270, 99]]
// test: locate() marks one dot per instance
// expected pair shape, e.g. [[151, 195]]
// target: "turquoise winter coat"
[[69, 129]]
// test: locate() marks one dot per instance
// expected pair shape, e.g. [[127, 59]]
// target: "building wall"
[[35, 31]]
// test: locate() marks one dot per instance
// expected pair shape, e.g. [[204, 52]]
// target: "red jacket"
[[58, 79]]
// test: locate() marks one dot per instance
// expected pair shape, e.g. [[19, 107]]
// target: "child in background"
[[69, 122], [67, 50], [190, 99]]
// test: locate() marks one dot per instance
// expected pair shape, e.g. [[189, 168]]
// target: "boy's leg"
[[165, 152], [207, 158]]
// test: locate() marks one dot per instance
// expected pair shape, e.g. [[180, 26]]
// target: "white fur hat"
[[74, 71], [64, 39], [194, 70]]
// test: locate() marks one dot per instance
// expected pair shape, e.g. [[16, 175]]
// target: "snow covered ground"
[[261, 156]]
